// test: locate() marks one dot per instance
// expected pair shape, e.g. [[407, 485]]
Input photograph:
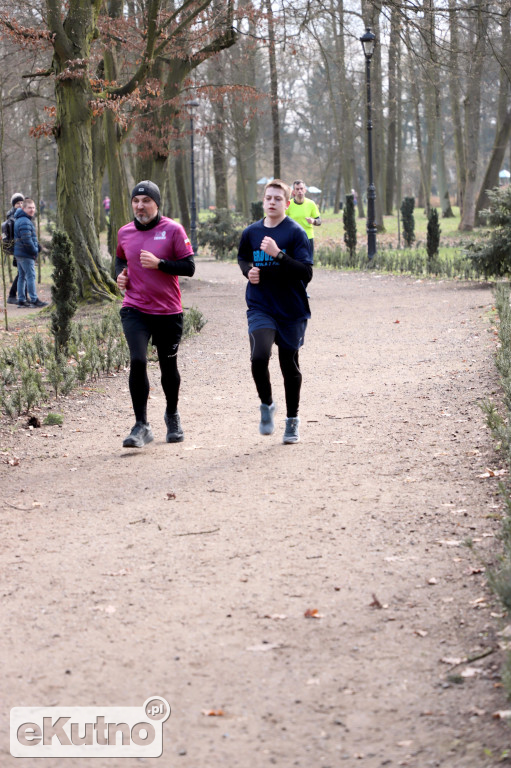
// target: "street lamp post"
[[193, 104], [368, 42]]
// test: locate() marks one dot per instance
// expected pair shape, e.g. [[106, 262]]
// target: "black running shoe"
[[140, 435], [175, 433], [39, 303]]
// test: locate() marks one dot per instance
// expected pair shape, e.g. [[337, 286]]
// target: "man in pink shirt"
[[152, 251]]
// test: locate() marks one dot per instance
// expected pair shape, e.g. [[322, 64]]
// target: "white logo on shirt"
[[161, 235]]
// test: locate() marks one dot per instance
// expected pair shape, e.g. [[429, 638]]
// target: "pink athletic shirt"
[[151, 290]]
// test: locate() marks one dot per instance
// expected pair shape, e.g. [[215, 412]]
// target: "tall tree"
[[274, 91], [503, 123], [472, 109]]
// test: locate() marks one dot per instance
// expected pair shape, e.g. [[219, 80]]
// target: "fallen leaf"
[[14, 462], [376, 603], [313, 613], [275, 616], [171, 495], [396, 322], [502, 714], [493, 472], [420, 632], [213, 712]]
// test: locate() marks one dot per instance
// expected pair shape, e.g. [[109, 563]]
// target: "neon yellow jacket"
[[301, 212]]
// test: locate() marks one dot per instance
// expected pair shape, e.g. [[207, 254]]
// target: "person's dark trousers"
[[14, 288], [166, 332]]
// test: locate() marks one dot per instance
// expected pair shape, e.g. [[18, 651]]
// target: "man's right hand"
[[122, 279], [253, 275]]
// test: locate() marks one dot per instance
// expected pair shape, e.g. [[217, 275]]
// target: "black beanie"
[[148, 188], [17, 198]]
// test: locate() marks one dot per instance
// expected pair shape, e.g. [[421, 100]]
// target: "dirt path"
[[185, 571]]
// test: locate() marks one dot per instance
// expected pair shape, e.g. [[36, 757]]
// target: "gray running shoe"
[[266, 425], [291, 432], [140, 435], [175, 432]]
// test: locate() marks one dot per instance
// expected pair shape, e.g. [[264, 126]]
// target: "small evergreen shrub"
[[493, 256], [64, 290], [257, 210], [222, 232], [53, 420], [433, 239], [408, 220], [193, 322], [350, 228]]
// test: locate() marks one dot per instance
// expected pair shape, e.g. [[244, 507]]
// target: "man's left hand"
[[148, 260]]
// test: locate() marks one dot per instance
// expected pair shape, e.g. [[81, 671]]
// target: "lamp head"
[[368, 41]]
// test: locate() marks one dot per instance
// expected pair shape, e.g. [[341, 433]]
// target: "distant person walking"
[[275, 257], [8, 242], [106, 207], [304, 211], [26, 250], [151, 252]]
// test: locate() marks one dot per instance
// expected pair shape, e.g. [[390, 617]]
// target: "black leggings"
[[166, 332], [261, 342]]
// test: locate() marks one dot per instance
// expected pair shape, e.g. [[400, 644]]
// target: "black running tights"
[[261, 342], [166, 333]]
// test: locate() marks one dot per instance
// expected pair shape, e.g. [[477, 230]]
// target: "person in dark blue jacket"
[[26, 250], [275, 257]]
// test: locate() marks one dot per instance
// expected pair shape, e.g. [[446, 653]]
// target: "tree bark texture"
[[472, 109], [73, 131]]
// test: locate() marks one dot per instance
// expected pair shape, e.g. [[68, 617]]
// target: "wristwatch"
[[161, 264], [279, 256]]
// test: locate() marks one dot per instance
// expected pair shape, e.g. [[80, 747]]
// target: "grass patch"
[[53, 420], [449, 262], [32, 373]]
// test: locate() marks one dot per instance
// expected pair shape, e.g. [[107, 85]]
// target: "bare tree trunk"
[[98, 171], [390, 168], [273, 92], [425, 191], [454, 90], [217, 141], [503, 132], [472, 106], [120, 210], [182, 197], [75, 187]]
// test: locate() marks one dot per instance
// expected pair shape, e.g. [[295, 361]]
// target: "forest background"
[[98, 95]]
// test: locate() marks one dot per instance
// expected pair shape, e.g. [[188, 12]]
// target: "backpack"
[[8, 234]]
